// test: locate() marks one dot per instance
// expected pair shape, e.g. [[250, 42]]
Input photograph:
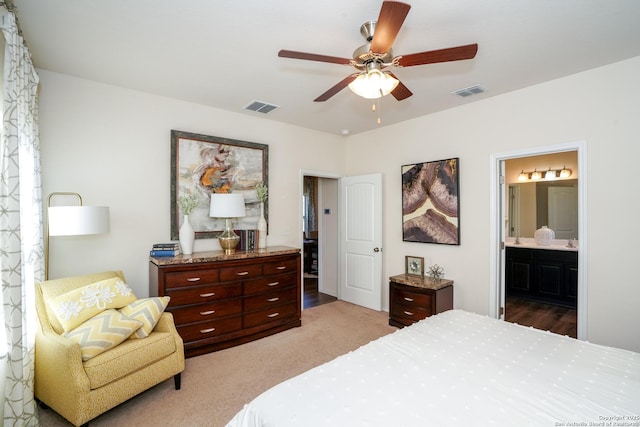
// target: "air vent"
[[261, 107], [468, 91]]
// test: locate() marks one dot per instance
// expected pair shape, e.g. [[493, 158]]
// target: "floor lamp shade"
[[78, 220]]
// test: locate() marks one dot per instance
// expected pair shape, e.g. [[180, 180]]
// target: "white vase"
[[544, 236], [262, 229], [187, 236]]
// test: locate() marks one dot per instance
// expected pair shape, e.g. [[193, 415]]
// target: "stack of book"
[[165, 249], [248, 240]]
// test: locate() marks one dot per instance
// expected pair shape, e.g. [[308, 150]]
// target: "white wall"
[[601, 107], [112, 145]]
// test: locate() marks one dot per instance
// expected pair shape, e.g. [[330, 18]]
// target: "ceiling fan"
[[372, 80]]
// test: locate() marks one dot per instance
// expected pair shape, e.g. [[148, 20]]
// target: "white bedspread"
[[459, 369]]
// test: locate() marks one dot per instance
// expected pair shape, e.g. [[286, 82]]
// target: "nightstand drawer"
[[412, 298], [179, 279], [200, 294], [208, 311], [411, 312]]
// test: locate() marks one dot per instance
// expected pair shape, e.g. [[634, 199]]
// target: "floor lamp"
[[75, 220]]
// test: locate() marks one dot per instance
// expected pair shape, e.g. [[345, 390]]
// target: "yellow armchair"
[[80, 391]]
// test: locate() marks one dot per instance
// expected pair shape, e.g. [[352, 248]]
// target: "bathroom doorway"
[[529, 311]]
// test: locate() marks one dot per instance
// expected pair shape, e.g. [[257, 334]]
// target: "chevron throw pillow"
[[146, 310], [102, 332]]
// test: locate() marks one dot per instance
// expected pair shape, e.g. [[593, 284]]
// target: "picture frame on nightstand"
[[414, 266]]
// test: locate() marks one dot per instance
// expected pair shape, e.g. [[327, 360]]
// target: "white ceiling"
[[223, 53]]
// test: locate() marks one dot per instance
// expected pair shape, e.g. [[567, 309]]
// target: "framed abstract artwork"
[[202, 165], [430, 202]]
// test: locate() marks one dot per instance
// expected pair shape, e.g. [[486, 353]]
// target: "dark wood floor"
[[561, 320], [312, 297]]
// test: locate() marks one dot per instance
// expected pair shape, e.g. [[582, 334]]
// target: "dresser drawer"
[[263, 301], [177, 279], [200, 294], [240, 272], [208, 329], [272, 314], [278, 267], [269, 284], [207, 311]]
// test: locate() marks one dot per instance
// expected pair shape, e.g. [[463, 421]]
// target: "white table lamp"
[[227, 206]]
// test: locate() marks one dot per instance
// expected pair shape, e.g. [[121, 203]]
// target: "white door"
[[361, 240], [502, 230], [563, 212]]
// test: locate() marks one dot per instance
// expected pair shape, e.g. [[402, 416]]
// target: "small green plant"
[[262, 192], [187, 203]]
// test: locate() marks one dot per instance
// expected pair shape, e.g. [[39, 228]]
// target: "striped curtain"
[[21, 241]]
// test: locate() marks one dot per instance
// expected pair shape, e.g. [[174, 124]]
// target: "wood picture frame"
[[414, 265], [202, 165], [430, 202]]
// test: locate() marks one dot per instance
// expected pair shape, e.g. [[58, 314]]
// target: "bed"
[[456, 369]]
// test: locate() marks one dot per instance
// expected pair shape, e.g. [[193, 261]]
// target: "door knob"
[[376, 249]]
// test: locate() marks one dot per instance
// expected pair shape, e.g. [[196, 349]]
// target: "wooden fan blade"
[[313, 57], [391, 18], [401, 91], [337, 88], [442, 55]]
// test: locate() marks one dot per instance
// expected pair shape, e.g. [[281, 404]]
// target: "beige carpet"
[[215, 386]]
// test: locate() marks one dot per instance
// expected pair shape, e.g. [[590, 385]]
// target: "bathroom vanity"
[[542, 273]]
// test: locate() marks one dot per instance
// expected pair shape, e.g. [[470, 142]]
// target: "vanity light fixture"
[[535, 175], [549, 175]]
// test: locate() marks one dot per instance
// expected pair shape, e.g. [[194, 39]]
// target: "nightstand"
[[413, 298]]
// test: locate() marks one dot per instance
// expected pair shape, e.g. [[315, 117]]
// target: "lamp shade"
[[373, 84], [78, 220], [230, 205]]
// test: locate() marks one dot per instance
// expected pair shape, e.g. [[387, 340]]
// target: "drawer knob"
[[273, 299], [273, 284], [206, 331], [272, 315], [408, 313], [210, 294], [408, 299], [282, 267], [193, 279], [206, 313], [242, 273]]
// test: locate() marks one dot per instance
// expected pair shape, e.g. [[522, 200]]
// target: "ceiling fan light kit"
[[371, 80], [373, 83]]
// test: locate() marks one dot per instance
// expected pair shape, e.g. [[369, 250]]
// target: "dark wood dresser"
[[219, 301], [413, 298]]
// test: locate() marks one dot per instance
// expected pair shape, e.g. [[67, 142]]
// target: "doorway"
[[319, 235], [500, 233]]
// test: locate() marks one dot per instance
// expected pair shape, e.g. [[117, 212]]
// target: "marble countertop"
[[421, 282], [210, 256], [529, 242]]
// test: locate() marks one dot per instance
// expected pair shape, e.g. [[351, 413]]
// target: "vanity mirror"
[[535, 204]]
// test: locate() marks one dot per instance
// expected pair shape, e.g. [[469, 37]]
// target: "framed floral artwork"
[[202, 165], [414, 265]]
